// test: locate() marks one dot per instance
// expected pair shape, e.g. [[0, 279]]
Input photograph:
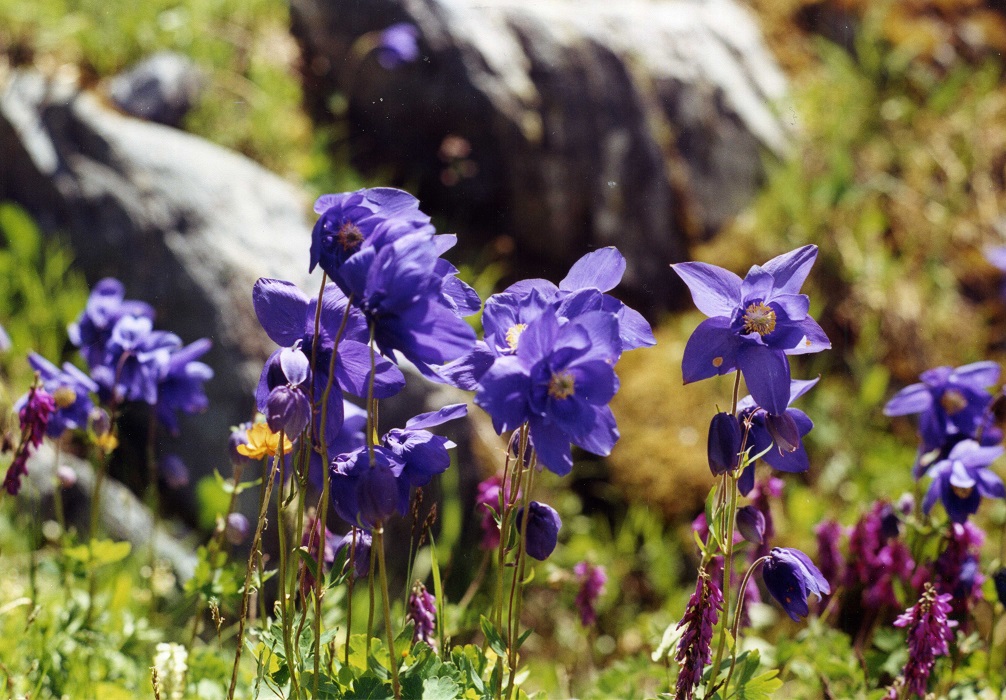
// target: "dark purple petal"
[[438, 417], [766, 372], [978, 374], [790, 269], [751, 524], [989, 484], [715, 291], [552, 445], [914, 398], [784, 431], [466, 371], [543, 525], [601, 269], [281, 309], [503, 394], [711, 350], [352, 369]]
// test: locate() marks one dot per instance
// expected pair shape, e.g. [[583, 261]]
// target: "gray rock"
[[582, 123], [162, 88], [186, 225]]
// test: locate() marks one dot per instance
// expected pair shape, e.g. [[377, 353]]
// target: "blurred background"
[[178, 146]]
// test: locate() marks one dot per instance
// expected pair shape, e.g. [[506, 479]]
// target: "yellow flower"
[[262, 442]]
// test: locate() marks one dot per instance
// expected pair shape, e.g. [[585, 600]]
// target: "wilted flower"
[[592, 579], [929, 636], [753, 324], [397, 45], [695, 647], [543, 525], [790, 576], [960, 480]]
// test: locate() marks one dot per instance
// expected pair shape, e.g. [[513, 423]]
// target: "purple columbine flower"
[[422, 610], [753, 324], [695, 647], [181, 386], [929, 636], [136, 358], [559, 382], [71, 391], [424, 454], [952, 405], [778, 438], [790, 576], [592, 579], [105, 306], [357, 544], [543, 525], [397, 45], [34, 417], [508, 314], [960, 480]]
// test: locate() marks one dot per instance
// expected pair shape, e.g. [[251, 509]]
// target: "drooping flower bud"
[[543, 525], [790, 576], [751, 524], [784, 431], [287, 409], [357, 544], [237, 528], [725, 437]]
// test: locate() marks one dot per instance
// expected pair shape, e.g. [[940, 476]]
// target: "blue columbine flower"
[[790, 576], [960, 480], [952, 405], [778, 439], [559, 382], [368, 488], [423, 453], [71, 391], [543, 524], [181, 386], [753, 324], [136, 358], [286, 406]]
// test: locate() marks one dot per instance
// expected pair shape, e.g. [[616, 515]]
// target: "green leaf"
[[440, 689], [493, 637], [99, 552], [370, 688]]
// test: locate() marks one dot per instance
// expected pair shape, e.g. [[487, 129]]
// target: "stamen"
[[759, 318], [349, 236], [65, 397], [513, 335], [953, 401]]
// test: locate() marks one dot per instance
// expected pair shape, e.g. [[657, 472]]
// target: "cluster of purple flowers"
[[422, 610], [34, 415], [929, 636], [592, 579], [958, 436], [695, 647], [128, 361]]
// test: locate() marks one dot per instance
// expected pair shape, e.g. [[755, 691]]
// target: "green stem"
[[383, 567], [518, 581], [737, 617]]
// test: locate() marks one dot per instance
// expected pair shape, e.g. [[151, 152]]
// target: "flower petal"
[[790, 269], [601, 269], [810, 339], [551, 445], [914, 398], [503, 393], [766, 372], [352, 370], [715, 291], [711, 350], [978, 374], [438, 417], [281, 309]]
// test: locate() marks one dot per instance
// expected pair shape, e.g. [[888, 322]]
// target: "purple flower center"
[[561, 385], [953, 401], [759, 318]]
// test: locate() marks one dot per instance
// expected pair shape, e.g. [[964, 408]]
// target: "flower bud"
[[237, 528], [784, 431], [724, 443], [751, 524], [287, 409], [543, 525], [174, 472]]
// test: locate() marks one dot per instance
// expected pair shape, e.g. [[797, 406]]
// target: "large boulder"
[[186, 225], [566, 124]]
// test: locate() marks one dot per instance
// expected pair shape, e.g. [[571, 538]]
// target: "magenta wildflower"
[[422, 610], [956, 570], [929, 635], [592, 579], [487, 502], [34, 417], [695, 648], [829, 557], [877, 558]]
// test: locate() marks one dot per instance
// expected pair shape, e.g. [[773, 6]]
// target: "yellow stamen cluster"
[[513, 335], [263, 442], [64, 397], [759, 318]]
